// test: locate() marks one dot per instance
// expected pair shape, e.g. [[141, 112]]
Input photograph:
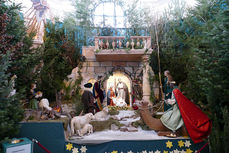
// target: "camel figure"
[[184, 118], [157, 125]]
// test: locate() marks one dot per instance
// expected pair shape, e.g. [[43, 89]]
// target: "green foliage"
[[11, 111], [79, 105], [113, 112], [25, 60], [105, 125], [77, 95], [27, 66], [194, 47], [84, 11], [60, 56], [117, 108], [135, 16]]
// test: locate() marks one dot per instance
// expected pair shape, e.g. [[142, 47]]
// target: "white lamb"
[[102, 115], [88, 128], [44, 103], [78, 122]]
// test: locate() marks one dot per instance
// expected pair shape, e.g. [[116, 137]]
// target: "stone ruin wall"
[[92, 68]]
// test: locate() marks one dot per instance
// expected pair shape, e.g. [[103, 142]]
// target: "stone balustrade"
[[119, 42], [144, 41]]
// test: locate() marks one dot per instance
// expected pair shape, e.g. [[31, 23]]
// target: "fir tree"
[[216, 73], [60, 56], [11, 111], [198, 44], [25, 59]]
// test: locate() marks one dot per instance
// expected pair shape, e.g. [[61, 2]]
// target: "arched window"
[[109, 14]]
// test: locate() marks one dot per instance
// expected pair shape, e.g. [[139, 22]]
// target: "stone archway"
[[113, 80]]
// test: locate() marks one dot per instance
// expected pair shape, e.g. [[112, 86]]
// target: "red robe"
[[196, 122]]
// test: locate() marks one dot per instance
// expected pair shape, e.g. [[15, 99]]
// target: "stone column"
[[146, 85]]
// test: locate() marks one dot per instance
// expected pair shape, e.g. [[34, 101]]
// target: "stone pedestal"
[[146, 85]]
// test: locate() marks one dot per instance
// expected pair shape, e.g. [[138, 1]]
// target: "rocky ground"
[[126, 130]]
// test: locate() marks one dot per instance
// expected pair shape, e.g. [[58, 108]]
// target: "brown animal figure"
[[156, 124]]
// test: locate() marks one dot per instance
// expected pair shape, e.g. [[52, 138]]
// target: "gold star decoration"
[[165, 151], [181, 143], [114, 152], [189, 150], [69, 146], [169, 144]]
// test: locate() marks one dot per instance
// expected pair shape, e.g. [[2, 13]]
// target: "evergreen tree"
[[25, 59], [215, 65], [60, 56], [11, 111], [197, 44]]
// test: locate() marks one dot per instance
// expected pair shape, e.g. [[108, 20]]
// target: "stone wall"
[[92, 68], [134, 70]]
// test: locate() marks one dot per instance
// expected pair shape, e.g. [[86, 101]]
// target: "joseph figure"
[[122, 91]]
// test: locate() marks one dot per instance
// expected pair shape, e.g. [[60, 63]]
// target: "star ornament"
[[157, 151], [144, 151], [83, 149], [114, 152], [69, 146], [187, 143], [181, 143], [169, 144], [182, 151], [75, 150], [189, 151], [165, 151]]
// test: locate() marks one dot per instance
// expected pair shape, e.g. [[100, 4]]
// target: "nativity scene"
[[111, 77]]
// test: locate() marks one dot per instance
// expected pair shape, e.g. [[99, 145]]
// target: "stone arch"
[[123, 70], [112, 80]]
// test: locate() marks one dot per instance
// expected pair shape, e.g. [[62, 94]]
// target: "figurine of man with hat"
[[88, 99]]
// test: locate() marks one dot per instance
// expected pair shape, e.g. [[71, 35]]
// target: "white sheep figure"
[[102, 115], [88, 128], [44, 103], [78, 122]]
